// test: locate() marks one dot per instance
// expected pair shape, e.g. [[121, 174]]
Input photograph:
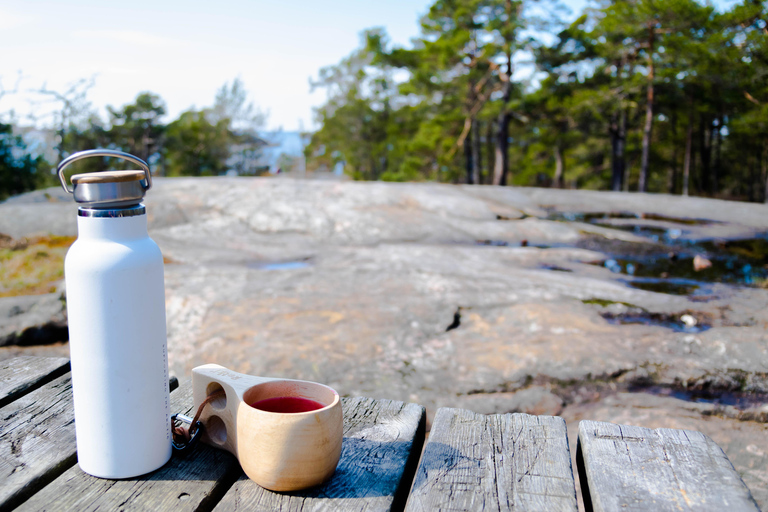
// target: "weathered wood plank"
[[637, 469], [37, 442], [494, 462], [21, 375], [382, 442], [194, 482]]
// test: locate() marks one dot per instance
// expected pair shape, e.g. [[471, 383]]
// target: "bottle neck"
[[110, 224], [113, 212]]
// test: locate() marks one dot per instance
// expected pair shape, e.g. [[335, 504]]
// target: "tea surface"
[[287, 404]]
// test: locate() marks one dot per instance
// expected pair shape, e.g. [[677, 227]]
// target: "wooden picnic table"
[[470, 462]]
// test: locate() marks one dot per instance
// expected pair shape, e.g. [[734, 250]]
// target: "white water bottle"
[[117, 336]]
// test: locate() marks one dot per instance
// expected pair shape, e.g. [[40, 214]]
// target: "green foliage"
[[231, 104], [19, 172], [357, 117], [627, 94], [419, 128], [137, 127], [196, 147], [208, 142], [666, 96], [93, 135]]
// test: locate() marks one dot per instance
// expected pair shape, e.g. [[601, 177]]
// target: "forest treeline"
[[205, 142], [641, 95]]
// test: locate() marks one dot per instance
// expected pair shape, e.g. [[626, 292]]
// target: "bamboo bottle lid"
[[110, 189], [108, 177]]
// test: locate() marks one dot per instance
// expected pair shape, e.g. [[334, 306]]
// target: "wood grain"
[[108, 177], [637, 469], [494, 462], [21, 375], [37, 442], [195, 482], [382, 442]]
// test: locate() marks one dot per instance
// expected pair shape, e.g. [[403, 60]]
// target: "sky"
[[184, 51]]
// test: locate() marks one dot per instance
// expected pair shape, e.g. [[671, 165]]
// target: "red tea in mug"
[[287, 404]]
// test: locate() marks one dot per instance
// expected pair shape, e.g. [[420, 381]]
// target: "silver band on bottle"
[[112, 213]]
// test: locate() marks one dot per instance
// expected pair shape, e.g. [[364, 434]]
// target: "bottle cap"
[[111, 189]]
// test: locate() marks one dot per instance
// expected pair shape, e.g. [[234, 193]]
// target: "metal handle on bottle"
[[103, 152]]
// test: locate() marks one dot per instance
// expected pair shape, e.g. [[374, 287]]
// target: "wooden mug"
[[279, 451]]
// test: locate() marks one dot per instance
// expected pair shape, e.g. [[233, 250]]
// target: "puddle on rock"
[[667, 263], [621, 248], [683, 266], [679, 220], [736, 399], [683, 323], [653, 234], [493, 243], [713, 267], [597, 217], [279, 265], [606, 302], [754, 249], [668, 286], [555, 268], [589, 217], [505, 243], [620, 313]]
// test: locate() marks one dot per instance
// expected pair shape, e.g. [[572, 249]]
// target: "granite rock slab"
[[495, 299]]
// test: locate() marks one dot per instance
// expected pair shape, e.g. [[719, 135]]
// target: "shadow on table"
[[444, 458], [367, 469]]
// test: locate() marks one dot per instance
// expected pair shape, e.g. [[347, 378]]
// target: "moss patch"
[[32, 266], [606, 302]]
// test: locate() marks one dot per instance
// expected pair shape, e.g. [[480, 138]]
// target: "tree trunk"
[[705, 146], [716, 168], [642, 183], [765, 171], [502, 151], [616, 173], [501, 167], [672, 171], [619, 169], [489, 144], [627, 173], [617, 148], [621, 150], [469, 165], [688, 151], [476, 160], [754, 175], [559, 180], [648, 128]]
